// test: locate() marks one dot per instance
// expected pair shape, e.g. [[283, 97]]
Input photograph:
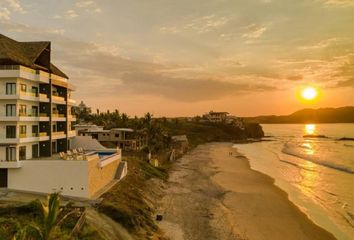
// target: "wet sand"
[[212, 194]]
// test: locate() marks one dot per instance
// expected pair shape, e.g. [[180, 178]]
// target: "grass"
[[126, 203], [14, 218]]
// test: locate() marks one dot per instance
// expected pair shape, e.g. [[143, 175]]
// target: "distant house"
[[215, 117], [180, 143], [81, 128], [124, 138]]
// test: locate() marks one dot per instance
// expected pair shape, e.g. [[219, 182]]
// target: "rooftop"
[[35, 55]]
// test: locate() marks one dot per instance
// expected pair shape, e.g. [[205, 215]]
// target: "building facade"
[[35, 102]]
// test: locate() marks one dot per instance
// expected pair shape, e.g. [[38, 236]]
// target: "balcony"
[[58, 99], [58, 135], [43, 136], [21, 117], [58, 117], [43, 97], [23, 135], [71, 102], [43, 117], [17, 71], [71, 133]]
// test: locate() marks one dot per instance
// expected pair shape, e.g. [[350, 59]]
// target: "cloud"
[[199, 25], [186, 89], [295, 77], [4, 13], [332, 72], [15, 5], [339, 3], [320, 45], [79, 7], [9, 6], [346, 83], [253, 32], [88, 5]]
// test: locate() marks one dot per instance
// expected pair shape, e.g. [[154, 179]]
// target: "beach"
[[212, 193]]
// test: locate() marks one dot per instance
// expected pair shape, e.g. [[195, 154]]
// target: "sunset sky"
[[186, 57]]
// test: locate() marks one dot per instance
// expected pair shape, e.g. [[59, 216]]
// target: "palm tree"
[[50, 212]]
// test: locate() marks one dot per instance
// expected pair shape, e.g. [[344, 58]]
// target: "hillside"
[[322, 115]]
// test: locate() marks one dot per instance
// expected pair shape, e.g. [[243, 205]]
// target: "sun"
[[309, 93]]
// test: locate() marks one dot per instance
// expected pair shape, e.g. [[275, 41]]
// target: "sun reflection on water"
[[310, 179], [310, 129]]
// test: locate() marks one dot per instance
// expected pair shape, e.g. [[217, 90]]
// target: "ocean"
[[317, 173]]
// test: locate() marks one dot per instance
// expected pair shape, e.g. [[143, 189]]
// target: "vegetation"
[[42, 221], [127, 202], [158, 131]]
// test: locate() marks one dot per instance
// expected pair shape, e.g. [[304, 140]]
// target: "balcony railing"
[[58, 115], [22, 114], [30, 94], [23, 135], [58, 98], [43, 115], [35, 134], [43, 96], [58, 133], [43, 134]]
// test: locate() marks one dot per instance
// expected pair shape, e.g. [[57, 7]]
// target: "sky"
[[186, 57]]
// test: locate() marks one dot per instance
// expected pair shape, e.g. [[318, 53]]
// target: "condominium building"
[[35, 102], [36, 134]]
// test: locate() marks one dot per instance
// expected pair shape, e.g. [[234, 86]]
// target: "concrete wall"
[[101, 176], [74, 178], [46, 176]]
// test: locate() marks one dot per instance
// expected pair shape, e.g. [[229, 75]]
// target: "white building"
[[124, 138], [36, 125], [215, 117]]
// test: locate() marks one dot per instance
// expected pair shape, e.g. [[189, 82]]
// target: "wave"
[[290, 150]]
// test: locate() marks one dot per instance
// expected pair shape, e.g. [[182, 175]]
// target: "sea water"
[[317, 173]]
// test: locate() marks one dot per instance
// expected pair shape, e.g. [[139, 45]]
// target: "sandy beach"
[[212, 193]]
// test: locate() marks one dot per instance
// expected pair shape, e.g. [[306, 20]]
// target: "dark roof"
[[35, 55]]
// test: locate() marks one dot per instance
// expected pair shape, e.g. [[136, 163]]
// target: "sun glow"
[[309, 93], [310, 129]]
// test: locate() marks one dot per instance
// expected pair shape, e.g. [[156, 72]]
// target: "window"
[[10, 131], [35, 91], [34, 131], [23, 88], [116, 135], [23, 110], [23, 130], [10, 110], [10, 88], [10, 154], [35, 151], [34, 111], [23, 153]]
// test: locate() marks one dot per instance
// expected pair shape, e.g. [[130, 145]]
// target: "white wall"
[[46, 176]]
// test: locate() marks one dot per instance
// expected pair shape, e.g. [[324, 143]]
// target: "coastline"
[[214, 195]]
